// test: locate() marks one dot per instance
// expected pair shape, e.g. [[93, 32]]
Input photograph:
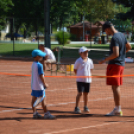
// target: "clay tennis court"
[[15, 103]]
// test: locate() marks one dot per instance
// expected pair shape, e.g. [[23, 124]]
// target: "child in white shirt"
[[83, 67]]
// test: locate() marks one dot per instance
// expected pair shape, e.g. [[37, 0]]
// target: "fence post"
[[58, 54], [13, 35], [47, 23]]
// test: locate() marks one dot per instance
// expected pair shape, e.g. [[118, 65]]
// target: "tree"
[[128, 14], [99, 9], [27, 13], [61, 12], [5, 5], [72, 11]]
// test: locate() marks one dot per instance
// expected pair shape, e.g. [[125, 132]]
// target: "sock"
[[118, 108]]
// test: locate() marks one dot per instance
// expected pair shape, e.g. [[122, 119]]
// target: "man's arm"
[[114, 55], [128, 47]]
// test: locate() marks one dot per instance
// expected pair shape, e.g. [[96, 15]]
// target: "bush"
[[60, 35], [73, 37]]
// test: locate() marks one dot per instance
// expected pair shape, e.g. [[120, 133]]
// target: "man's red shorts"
[[114, 70]]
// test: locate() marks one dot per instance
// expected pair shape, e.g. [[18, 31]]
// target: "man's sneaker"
[[49, 116], [37, 116], [115, 112], [77, 110], [86, 109]]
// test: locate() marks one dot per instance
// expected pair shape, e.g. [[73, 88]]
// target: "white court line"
[[45, 91], [15, 82], [50, 105], [15, 94], [73, 129], [14, 70], [6, 111], [99, 99], [9, 64]]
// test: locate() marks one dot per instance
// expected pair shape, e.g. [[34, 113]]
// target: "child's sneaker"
[[37, 116], [86, 109], [77, 110], [49, 116], [115, 112]]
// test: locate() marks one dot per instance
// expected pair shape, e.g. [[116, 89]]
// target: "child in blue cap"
[[38, 83]]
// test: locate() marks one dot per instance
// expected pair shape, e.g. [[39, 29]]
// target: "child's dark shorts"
[[83, 87]]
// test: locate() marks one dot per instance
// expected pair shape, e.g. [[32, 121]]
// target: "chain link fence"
[[21, 35]]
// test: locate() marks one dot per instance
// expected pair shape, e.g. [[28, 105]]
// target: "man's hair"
[[106, 25]]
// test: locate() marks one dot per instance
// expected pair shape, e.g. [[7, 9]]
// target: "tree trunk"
[[61, 21], [11, 28], [25, 32]]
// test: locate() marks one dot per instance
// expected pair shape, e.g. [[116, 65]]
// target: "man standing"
[[50, 57], [118, 48]]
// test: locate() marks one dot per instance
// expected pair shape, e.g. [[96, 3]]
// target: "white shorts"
[[50, 61]]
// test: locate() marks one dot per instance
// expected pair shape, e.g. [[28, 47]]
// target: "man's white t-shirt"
[[50, 54], [84, 69]]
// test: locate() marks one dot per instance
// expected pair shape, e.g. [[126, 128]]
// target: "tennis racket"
[[38, 100]]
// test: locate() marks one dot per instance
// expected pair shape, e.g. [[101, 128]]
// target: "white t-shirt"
[[84, 69], [50, 54], [37, 70]]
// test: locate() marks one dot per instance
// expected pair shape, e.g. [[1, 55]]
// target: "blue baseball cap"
[[37, 52]]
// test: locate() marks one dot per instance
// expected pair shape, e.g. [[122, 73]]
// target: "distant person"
[[96, 38], [50, 57], [118, 48], [83, 67], [33, 40]]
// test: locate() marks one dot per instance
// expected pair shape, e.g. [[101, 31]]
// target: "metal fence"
[[21, 35]]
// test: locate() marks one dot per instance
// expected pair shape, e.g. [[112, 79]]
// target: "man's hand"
[[128, 47], [102, 61]]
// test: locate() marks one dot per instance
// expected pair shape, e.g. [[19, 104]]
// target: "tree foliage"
[[130, 9], [5, 5], [29, 14]]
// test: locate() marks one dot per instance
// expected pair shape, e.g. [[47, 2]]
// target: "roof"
[[86, 24], [99, 23]]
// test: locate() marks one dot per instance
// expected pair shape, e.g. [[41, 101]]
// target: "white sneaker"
[[49, 116], [115, 112], [77, 110], [86, 109]]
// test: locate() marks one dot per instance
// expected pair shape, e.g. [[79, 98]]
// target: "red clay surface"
[[16, 113]]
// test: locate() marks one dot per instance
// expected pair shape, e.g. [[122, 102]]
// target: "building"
[[86, 30]]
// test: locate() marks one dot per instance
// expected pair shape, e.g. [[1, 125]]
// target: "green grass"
[[6, 49]]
